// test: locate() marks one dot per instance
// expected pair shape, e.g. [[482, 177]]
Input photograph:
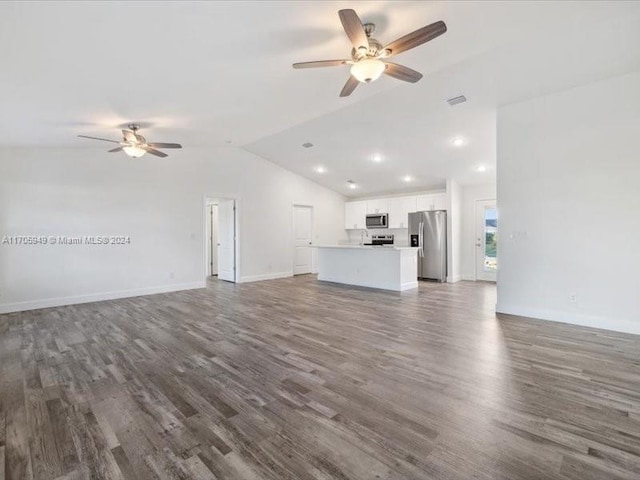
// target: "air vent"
[[456, 100], [307, 145]]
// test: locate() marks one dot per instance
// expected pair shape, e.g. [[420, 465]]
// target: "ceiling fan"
[[135, 145], [368, 53]]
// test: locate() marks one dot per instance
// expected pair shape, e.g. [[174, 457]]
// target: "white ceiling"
[[205, 73]]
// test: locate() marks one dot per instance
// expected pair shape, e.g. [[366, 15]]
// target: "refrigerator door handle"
[[420, 239]]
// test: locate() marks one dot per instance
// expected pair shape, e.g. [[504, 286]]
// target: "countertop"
[[368, 247]]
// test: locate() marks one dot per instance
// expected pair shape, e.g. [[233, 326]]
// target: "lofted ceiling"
[[219, 73]]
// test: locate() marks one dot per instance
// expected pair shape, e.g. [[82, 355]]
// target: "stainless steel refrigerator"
[[428, 231]]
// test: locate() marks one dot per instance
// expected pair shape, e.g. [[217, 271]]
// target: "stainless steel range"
[[381, 240]]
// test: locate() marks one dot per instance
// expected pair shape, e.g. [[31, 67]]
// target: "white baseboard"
[[96, 297], [408, 286], [266, 276], [468, 277], [454, 279], [617, 325]]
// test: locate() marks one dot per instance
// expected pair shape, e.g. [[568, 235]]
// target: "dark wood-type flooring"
[[293, 379]]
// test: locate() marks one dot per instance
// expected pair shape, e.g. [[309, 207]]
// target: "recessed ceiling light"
[[352, 184], [307, 145], [481, 168], [377, 158], [458, 141], [320, 169], [407, 178]]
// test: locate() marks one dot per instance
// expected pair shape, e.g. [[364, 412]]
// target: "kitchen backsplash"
[[400, 235]]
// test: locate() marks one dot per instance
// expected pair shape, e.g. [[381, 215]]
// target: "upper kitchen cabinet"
[[399, 210], [380, 205], [355, 214], [431, 201]]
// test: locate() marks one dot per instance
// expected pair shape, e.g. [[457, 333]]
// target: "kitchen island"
[[385, 267]]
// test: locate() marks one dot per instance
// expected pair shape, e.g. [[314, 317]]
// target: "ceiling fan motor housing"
[[375, 50]]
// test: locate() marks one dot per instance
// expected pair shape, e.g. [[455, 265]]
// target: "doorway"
[[212, 240], [221, 238], [486, 240], [302, 238]]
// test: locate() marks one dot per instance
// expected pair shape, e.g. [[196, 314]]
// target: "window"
[[490, 239]]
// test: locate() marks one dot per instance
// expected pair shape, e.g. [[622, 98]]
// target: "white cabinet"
[[399, 209], [431, 201], [355, 215], [380, 205]]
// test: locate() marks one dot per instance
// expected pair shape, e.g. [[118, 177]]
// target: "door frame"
[[293, 235], [206, 201], [480, 203]]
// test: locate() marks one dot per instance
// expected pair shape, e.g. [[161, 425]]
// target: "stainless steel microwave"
[[378, 220]]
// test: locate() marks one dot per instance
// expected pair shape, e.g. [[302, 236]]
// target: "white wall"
[[159, 203], [569, 205], [470, 195]]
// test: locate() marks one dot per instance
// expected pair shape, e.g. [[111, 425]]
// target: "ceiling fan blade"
[[402, 73], [413, 39], [155, 152], [321, 63], [98, 138], [350, 86], [118, 149], [130, 136], [354, 29], [165, 145]]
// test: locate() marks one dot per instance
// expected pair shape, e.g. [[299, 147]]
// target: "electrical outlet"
[[573, 298]]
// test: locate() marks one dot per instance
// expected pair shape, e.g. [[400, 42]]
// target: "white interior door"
[[227, 240], [302, 232], [486, 240]]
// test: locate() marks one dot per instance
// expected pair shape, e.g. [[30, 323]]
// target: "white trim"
[[97, 297], [454, 279], [617, 325], [468, 277], [408, 286], [265, 276]]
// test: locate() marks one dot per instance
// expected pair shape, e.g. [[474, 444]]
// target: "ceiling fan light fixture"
[[368, 70], [133, 151]]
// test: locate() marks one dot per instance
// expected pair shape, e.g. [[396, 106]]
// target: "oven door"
[[379, 220]]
